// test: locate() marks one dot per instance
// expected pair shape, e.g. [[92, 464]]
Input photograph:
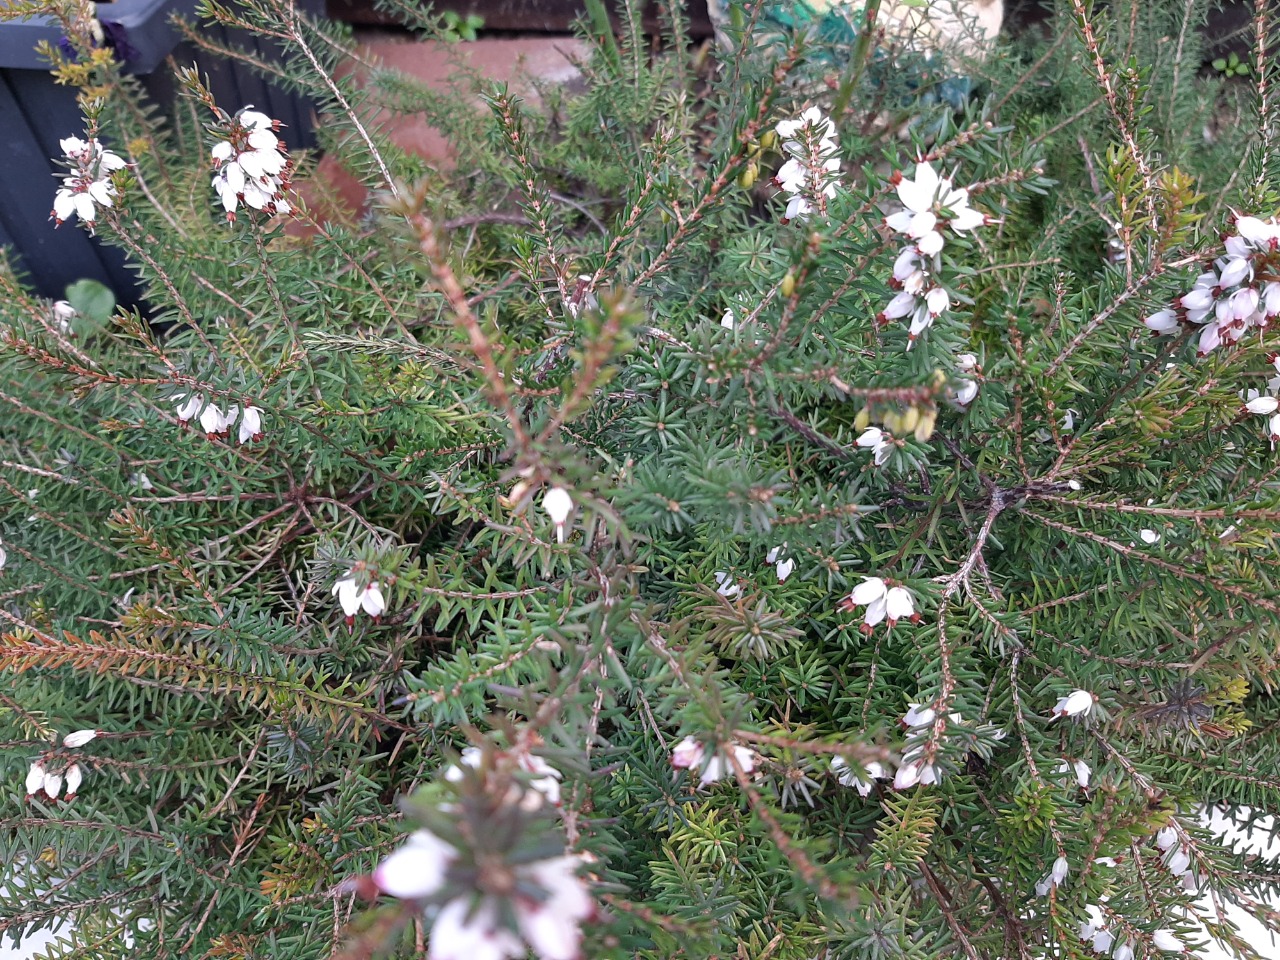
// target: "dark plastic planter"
[[35, 113]]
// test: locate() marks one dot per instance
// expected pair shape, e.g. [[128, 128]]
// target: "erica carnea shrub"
[[748, 507]]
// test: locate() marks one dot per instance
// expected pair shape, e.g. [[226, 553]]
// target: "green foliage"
[[548, 313]]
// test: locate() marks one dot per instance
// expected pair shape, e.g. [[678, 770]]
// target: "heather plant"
[[745, 507]]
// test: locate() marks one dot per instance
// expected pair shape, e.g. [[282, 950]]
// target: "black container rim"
[[143, 24]]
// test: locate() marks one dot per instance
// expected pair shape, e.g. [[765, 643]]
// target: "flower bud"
[[788, 284], [924, 428]]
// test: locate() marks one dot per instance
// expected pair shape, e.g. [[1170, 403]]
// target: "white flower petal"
[[870, 589], [79, 738], [417, 870]]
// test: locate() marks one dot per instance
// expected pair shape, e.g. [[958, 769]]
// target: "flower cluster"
[[809, 172], [546, 898], [1095, 932], [689, 754], [353, 598], [1177, 856], [251, 166], [1267, 405], [89, 185], [782, 567], [932, 205], [847, 775], [1240, 291], [544, 787], [1056, 876], [882, 602], [216, 422], [879, 442], [917, 765], [44, 776]]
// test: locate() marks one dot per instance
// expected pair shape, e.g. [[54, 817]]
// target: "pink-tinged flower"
[[1210, 339], [558, 504], [846, 775], [544, 787], [553, 926], [35, 778], [251, 425], [1078, 703], [52, 785], [936, 301], [463, 931], [353, 599], [74, 777], [1271, 298], [901, 305], [418, 869], [1162, 322], [687, 754], [79, 738]]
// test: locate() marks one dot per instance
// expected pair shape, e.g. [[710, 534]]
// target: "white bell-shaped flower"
[[35, 778], [79, 738], [417, 870], [251, 425], [74, 777], [558, 504], [1078, 703]]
